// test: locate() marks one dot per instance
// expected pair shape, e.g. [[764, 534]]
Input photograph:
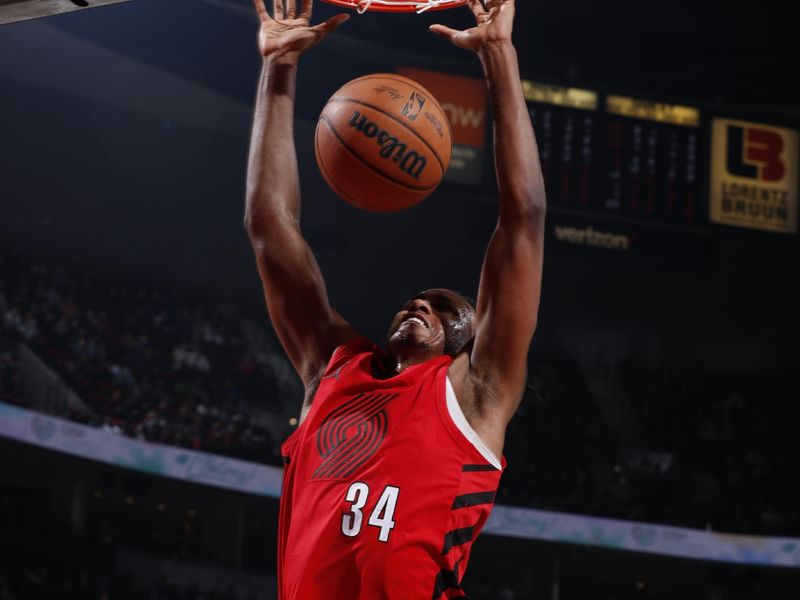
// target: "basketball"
[[383, 142]]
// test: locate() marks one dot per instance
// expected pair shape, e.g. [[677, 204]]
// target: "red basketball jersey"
[[385, 486]]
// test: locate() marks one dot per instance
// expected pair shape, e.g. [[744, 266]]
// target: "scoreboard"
[[616, 156]]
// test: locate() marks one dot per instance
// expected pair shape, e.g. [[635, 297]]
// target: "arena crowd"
[[158, 363]]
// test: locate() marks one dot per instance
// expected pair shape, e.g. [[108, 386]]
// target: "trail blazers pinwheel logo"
[[351, 434]]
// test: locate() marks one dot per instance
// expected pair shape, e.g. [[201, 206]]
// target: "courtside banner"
[[156, 459], [464, 102], [753, 176], [264, 480], [511, 521]]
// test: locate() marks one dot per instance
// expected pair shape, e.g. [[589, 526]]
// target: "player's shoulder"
[[355, 346], [344, 354], [459, 369], [342, 357]]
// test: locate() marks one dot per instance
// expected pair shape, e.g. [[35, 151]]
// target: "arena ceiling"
[[707, 51]]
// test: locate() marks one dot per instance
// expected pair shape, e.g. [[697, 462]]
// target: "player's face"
[[436, 320]]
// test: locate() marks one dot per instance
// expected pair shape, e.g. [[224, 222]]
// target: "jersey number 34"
[[382, 515]]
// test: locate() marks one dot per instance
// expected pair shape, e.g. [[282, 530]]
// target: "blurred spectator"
[[9, 375], [109, 342], [733, 439]]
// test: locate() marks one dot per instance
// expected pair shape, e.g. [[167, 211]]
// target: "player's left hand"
[[495, 20]]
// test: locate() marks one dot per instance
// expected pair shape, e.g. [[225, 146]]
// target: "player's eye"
[[445, 307]]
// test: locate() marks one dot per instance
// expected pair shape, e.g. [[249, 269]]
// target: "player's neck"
[[390, 363]]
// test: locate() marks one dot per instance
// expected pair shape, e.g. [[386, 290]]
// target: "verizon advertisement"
[[629, 242], [464, 102]]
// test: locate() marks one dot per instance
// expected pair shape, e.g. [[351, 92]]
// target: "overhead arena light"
[[21, 10]]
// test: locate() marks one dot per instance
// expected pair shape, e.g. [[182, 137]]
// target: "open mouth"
[[418, 320]]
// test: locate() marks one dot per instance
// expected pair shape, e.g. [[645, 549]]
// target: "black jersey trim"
[[468, 468], [446, 580], [457, 537], [474, 499]]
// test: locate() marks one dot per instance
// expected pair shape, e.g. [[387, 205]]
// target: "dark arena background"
[[143, 394]]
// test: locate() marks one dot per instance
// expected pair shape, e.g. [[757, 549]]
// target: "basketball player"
[[394, 466]]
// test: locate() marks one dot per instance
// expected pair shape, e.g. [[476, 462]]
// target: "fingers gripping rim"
[[418, 6]]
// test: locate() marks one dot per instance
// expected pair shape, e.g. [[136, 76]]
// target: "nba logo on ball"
[[413, 106], [380, 144]]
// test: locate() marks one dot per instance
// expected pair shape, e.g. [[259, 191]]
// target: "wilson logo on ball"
[[392, 148]]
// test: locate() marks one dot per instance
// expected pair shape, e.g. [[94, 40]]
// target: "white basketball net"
[[419, 5]]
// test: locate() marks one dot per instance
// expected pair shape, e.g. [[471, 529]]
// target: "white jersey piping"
[[460, 421]]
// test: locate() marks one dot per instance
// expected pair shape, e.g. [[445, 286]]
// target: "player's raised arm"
[[307, 326], [508, 297]]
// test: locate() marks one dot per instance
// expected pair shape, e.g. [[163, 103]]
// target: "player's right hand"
[[494, 20], [286, 35]]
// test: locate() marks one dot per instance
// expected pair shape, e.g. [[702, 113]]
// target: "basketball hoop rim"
[[397, 6]]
